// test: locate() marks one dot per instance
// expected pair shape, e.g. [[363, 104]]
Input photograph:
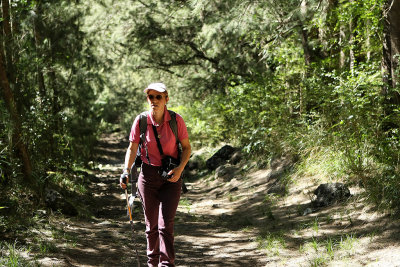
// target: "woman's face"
[[157, 100]]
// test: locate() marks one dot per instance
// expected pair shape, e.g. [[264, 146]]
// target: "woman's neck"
[[158, 116]]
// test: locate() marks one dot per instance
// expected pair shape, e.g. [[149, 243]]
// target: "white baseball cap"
[[159, 87]]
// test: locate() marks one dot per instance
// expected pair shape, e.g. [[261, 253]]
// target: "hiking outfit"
[[159, 197]]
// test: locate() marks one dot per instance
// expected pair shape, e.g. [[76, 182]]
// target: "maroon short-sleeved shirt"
[[167, 137]]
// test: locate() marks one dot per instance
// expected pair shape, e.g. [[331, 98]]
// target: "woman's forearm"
[[130, 156], [186, 150]]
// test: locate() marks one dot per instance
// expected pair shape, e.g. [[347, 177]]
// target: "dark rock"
[[213, 162], [330, 193], [225, 152], [221, 156]]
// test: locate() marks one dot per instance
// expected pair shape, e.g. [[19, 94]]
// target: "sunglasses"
[[158, 97]]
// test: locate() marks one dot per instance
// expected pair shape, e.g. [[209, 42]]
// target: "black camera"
[[168, 164]]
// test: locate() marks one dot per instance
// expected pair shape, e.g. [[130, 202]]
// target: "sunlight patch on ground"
[[389, 256]]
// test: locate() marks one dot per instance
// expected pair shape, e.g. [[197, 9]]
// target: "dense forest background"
[[317, 79]]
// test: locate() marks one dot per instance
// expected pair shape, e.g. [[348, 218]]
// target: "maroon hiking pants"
[[160, 200]]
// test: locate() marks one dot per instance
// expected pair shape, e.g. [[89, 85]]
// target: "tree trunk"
[[5, 5], [306, 47], [39, 50], [307, 55], [322, 36], [17, 131], [391, 51], [352, 58], [342, 38], [394, 29], [304, 35], [368, 41], [8, 96], [56, 106]]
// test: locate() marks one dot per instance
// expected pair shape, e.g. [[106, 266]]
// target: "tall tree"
[[391, 51], [37, 28], [15, 117], [304, 34], [5, 4], [352, 22]]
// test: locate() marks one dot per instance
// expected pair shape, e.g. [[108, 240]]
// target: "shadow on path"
[[218, 227]]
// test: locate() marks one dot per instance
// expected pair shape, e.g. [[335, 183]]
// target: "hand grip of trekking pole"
[[124, 178]]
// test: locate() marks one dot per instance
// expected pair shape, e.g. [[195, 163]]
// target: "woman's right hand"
[[123, 180]]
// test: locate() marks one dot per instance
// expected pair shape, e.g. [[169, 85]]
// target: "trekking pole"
[[131, 221]]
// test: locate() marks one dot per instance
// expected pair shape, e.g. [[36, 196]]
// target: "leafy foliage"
[[55, 89], [278, 77], [273, 77]]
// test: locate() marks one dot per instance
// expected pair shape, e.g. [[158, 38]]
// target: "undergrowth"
[[321, 252], [12, 255], [22, 213]]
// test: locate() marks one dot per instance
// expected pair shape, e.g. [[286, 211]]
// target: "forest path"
[[245, 220], [201, 238], [104, 239]]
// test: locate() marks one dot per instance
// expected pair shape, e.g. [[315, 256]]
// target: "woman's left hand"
[[176, 174]]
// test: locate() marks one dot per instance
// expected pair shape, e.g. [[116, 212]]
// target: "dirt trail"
[[105, 239], [241, 222]]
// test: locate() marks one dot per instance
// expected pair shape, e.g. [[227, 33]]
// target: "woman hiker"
[[159, 192]]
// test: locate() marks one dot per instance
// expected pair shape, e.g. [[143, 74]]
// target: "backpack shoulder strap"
[[143, 126], [173, 125], [143, 129]]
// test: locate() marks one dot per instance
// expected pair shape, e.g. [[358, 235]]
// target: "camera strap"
[[184, 189], [158, 141]]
